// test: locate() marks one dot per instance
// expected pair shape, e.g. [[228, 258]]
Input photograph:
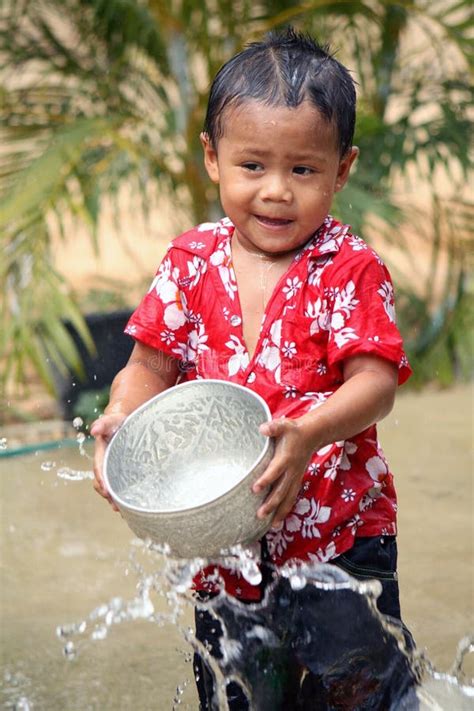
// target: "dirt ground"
[[428, 440]]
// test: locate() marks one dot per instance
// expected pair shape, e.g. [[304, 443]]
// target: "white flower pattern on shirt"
[[240, 359], [318, 311], [386, 292], [270, 357], [222, 260]]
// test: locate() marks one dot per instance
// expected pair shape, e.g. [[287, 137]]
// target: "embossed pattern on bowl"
[[182, 465]]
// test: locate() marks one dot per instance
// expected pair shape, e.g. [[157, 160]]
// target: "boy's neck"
[[251, 252], [257, 274]]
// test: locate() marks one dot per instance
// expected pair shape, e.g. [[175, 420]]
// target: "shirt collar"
[[202, 240], [326, 240]]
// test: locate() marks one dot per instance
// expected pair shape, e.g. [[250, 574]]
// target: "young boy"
[[280, 297]]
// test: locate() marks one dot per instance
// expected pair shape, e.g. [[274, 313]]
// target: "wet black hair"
[[284, 69]]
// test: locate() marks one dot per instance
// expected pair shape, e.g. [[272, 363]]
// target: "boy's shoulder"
[[338, 242], [354, 247], [202, 239]]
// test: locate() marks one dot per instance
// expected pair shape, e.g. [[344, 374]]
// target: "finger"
[[272, 473], [106, 425], [100, 490], [98, 483], [99, 453], [282, 498], [274, 428], [276, 496], [97, 428], [286, 505]]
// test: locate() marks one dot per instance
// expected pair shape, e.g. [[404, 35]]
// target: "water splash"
[[96, 626], [465, 647], [381, 641], [74, 474], [64, 472], [81, 437], [17, 685]]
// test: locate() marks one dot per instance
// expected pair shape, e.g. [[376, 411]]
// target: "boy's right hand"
[[103, 430]]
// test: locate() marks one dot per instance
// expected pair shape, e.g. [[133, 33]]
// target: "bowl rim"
[[179, 512]]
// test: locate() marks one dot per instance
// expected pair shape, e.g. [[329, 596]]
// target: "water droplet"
[[77, 422], [250, 571], [47, 466], [297, 581], [99, 632], [81, 438], [63, 631], [73, 474], [177, 701], [100, 611], [69, 650], [3, 443]]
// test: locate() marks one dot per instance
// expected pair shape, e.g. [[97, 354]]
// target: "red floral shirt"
[[335, 301]]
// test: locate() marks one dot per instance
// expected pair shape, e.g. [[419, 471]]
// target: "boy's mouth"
[[273, 221]]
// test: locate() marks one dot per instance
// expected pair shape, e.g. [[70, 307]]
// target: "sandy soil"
[[64, 553]]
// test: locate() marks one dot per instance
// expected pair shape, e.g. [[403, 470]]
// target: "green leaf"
[[39, 183]]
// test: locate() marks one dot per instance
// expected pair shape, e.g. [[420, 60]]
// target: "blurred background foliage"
[[96, 94]]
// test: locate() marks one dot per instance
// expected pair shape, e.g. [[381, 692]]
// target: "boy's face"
[[277, 169]]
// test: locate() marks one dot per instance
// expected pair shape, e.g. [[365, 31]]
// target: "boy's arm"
[[366, 396], [147, 373]]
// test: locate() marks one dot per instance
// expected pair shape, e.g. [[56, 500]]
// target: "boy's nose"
[[276, 188]]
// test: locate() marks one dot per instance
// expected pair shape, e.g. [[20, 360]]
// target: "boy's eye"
[[252, 166], [303, 170]]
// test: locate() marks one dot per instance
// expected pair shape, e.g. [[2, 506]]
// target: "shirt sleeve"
[[160, 319], [362, 312]]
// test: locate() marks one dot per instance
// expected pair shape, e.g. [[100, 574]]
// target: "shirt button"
[[235, 320]]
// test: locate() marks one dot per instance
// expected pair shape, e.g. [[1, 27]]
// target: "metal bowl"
[[181, 468]]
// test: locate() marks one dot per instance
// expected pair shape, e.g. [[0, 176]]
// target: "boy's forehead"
[[250, 119]]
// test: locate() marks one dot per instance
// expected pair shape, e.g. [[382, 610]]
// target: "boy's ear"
[[345, 166], [210, 157]]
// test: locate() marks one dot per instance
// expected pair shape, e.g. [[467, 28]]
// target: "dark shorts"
[[320, 649]]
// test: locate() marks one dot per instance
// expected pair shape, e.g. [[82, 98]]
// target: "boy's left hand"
[[285, 471]]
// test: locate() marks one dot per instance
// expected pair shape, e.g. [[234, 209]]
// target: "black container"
[[113, 349]]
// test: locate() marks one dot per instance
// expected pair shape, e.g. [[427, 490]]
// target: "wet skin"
[[277, 169]]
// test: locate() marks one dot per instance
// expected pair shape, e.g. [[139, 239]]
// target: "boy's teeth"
[[274, 221]]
